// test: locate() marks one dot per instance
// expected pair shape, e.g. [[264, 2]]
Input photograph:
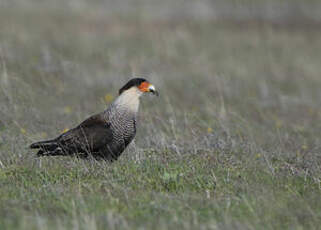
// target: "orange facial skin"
[[144, 86]]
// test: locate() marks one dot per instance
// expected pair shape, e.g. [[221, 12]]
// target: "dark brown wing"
[[91, 135]]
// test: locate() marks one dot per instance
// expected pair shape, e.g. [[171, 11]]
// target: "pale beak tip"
[[153, 90]]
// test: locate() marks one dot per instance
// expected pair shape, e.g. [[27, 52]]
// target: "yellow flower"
[[67, 110], [278, 124], [209, 130], [65, 130], [304, 147], [108, 98], [23, 131]]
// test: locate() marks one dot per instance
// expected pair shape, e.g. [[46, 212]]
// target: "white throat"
[[129, 99]]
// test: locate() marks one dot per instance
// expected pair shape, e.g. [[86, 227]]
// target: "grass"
[[232, 143]]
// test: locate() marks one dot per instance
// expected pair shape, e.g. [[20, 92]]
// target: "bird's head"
[[141, 84]]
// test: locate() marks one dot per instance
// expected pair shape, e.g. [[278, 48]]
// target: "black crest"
[[131, 83]]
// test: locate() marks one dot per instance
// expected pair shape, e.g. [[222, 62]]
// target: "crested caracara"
[[104, 135]]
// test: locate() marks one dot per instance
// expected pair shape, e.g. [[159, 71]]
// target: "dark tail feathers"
[[49, 144], [47, 148]]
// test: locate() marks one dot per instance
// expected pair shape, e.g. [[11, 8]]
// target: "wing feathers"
[[90, 136]]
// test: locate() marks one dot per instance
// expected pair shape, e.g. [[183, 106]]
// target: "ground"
[[233, 141]]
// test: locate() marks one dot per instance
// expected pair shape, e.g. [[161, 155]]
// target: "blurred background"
[[232, 67], [233, 140]]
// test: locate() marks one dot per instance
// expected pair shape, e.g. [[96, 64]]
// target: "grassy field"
[[233, 142]]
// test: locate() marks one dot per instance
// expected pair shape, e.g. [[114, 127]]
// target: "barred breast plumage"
[[123, 126]]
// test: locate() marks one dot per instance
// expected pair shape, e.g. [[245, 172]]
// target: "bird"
[[104, 135]]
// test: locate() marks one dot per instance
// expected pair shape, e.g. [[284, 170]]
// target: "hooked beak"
[[152, 90]]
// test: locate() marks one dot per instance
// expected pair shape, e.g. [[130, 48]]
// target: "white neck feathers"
[[129, 99]]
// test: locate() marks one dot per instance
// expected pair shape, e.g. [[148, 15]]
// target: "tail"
[[47, 148], [44, 144]]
